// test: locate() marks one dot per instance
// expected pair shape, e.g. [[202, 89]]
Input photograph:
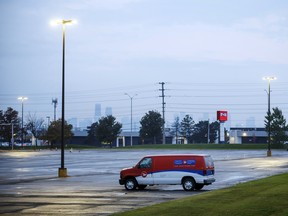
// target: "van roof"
[[182, 155]]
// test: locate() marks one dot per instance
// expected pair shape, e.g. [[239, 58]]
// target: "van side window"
[[146, 163]]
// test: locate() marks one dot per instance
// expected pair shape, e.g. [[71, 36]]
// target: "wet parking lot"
[[29, 183]]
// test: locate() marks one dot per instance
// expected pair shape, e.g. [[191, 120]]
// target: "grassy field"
[[263, 197]]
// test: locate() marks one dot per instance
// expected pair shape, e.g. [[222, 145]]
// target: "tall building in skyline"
[[97, 114], [108, 111], [84, 123], [73, 122], [126, 124]]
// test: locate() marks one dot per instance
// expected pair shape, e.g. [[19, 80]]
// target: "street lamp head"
[[269, 78], [63, 22], [22, 98], [131, 97]]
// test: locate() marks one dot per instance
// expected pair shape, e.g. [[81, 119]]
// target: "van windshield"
[[145, 163], [209, 161]]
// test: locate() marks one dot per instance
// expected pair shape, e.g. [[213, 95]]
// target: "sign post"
[[222, 116]]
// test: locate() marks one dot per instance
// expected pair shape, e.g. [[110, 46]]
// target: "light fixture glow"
[[55, 22], [269, 78], [22, 98]]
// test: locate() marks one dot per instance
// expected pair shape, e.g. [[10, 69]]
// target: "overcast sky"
[[211, 54]]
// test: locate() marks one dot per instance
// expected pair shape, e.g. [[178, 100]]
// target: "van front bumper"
[[121, 181]]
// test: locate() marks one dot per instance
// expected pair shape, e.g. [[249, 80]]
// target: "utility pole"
[[163, 109], [269, 79], [55, 101]]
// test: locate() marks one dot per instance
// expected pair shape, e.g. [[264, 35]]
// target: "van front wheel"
[[130, 184], [188, 184]]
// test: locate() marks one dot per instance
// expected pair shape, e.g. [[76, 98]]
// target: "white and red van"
[[189, 170]]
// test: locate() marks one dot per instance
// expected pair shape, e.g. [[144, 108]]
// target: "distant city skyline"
[[81, 124]]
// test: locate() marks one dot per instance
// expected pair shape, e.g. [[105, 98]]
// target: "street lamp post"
[[62, 172], [269, 79], [131, 123], [48, 121], [22, 99]]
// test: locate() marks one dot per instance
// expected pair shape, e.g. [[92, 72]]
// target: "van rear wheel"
[[188, 184], [130, 184]]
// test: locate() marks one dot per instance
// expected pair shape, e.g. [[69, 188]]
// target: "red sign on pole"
[[222, 115]]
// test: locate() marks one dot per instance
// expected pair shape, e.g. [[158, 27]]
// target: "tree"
[[6, 119], [214, 130], [200, 134], [91, 130], [151, 126], [54, 131], [35, 126], [278, 127], [176, 128], [187, 127], [105, 130]]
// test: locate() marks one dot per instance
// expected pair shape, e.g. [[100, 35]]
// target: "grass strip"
[[264, 197]]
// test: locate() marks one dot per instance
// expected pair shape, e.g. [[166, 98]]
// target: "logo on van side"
[[184, 162], [144, 174]]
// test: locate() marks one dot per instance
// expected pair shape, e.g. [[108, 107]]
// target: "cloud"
[[270, 23], [195, 42], [100, 4]]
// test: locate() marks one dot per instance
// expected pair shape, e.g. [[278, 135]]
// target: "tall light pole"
[[62, 172], [22, 99], [131, 99], [48, 121], [55, 101], [269, 79]]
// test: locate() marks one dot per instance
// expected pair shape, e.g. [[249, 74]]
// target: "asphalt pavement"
[[29, 182]]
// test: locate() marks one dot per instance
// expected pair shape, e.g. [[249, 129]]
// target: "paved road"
[[29, 184]]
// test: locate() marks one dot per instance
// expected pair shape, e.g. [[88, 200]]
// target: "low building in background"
[[247, 135]]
